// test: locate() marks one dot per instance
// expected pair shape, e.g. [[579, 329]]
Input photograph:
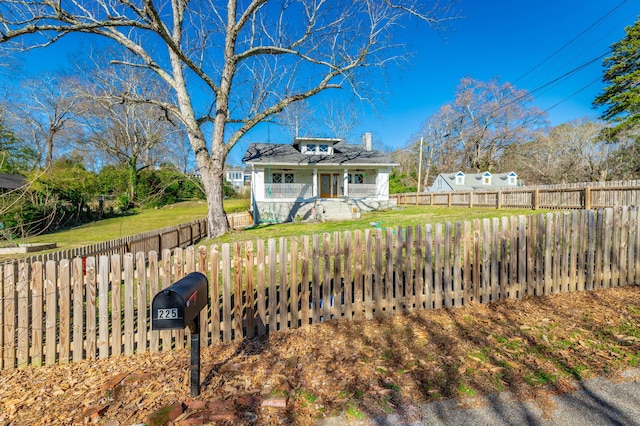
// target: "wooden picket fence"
[[69, 310], [550, 197], [182, 235]]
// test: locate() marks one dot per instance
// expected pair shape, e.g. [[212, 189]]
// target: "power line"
[[535, 93], [571, 72], [572, 95], [572, 40]]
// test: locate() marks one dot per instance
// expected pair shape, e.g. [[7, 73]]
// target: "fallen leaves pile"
[[358, 369]]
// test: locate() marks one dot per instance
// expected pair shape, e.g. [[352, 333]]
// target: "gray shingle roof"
[[287, 154], [9, 181], [473, 181]]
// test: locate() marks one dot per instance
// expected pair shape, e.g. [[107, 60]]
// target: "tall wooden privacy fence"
[[71, 310], [579, 196]]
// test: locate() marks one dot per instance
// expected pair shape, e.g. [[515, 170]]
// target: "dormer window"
[[317, 149], [460, 178], [486, 178], [512, 179]]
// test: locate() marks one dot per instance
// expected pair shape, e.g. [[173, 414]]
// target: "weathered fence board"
[[586, 195], [98, 307]]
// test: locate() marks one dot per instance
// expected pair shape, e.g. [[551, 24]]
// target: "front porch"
[[284, 195], [309, 184], [304, 191]]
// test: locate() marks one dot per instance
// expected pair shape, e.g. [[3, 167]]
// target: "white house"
[[473, 181], [317, 178], [237, 177]]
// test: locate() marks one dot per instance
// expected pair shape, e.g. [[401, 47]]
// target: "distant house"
[[10, 182], [474, 181], [317, 178], [237, 177]]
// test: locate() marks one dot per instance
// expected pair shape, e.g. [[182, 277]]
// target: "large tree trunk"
[[216, 216], [211, 169]]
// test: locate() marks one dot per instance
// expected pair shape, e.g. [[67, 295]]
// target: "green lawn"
[[143, 220], [402, 216]]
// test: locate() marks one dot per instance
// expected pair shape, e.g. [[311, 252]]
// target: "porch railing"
[[289, 190], [361, 190]]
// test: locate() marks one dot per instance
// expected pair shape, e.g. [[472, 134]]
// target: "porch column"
[[345, 183], [315, 183], [257, 183], [382, 184]]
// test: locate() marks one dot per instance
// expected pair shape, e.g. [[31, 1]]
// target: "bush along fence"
[[577, 196], [72, 310]]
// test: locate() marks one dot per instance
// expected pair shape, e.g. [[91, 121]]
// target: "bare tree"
[[341, 118], [247, 60], [131, 133], [487, 117], [439, 152], [567, 153], [45, 114], [298, 119], [178, 152]]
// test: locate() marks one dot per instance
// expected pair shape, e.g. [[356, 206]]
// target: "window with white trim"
[[282, 178], [355, 178], [486, 179], [317, 149], [460, 178]]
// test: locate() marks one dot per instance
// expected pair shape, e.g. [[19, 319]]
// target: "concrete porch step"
[[335, 209]]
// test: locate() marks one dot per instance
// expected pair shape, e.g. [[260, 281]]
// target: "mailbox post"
[[178, 306]]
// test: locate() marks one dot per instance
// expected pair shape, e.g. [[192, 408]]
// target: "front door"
[[328, 185]]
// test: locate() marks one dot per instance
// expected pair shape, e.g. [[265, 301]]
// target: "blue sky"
[[513, 40], [509, 40], [527, 43]]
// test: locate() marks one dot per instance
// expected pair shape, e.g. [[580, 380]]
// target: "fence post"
[[450, 196], [499, 200], [536, 199], [470, 199], [587, 198]]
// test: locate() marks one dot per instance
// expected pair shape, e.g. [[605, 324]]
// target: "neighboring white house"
[[238, 177], [474, 181], [317, 178]]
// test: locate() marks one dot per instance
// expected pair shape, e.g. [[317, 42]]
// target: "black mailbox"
[[179, 305]]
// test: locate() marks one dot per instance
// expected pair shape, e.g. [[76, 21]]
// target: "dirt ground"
[[356, 369]]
